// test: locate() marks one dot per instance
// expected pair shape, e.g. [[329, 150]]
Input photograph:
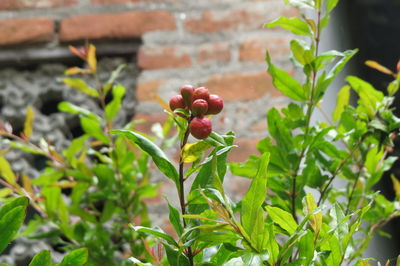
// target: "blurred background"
[[219, 44]]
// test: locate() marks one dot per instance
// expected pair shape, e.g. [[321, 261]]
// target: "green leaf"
[[306, 248], [331, 4], [282, 218], [295, 25], [12, 215], [285, 83], [25, 147], [10, 205], [175, 220], [43, 258], [70, 108], [316, 218], [341, 102], [6, 171], [113, 107], [158, 232], [80, 85], [325, 80], [77, 257], [393, 87], [300, 3], [108, 211], [4, 192], [252, 212], [137, 262], [74, 148], [159, 157], [338, 221], [303, 55], [369, 96], [53, 199], [176, 257], [270, 243], [114, 75], [28, 122], [335, 256], [94, 129], [192, 151]]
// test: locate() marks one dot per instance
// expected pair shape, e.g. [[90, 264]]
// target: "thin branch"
[[337, 171], [181, 189]]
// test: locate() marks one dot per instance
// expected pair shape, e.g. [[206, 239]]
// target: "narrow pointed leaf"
[[159, 157], [76, 257], [379, 67], [192, 151], [9, 225], [43, 258], [114, 106], [156, 232], [295, 25], [6, 171], [331, 4], [28, 122], [253, 200], [80, 85], [282, 218], [316, 218], [285, 83], [341, 102]]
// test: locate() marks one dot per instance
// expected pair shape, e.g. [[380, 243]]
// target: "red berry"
[[176, 102], [201, 93], [200, 127], [215, 104], [187, 94], [199, 107]]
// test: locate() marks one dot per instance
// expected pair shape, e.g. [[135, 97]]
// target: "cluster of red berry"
[[199, 102]]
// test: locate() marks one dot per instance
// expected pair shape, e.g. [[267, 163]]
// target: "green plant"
[[293, 213], [89, 193], [12, 215]]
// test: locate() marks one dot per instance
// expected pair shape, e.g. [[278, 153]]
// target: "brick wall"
[[220, 44]]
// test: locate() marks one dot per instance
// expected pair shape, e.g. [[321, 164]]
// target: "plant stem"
[[181, 189], [310, 108], [337, 171], [353, 189]]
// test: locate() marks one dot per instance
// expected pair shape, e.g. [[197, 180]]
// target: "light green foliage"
[[283, 218], [107, 177], [12, 215]]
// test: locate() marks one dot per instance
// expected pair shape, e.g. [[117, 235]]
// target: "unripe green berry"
[[200, 127], [199, 107], [215, 105]]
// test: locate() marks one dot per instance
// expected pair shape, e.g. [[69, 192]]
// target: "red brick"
[[241, 86], [126, 1], [163, 57], [211, 21], [254, 50], [21, 4], [214, 52], [118, 25], [149, 120], [145, 91], [113, 1], [247, 146], [29, 30]]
